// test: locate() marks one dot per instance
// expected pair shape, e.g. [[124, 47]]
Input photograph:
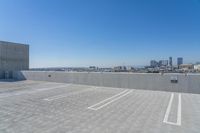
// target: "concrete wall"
[[13, 57], [187, 84]]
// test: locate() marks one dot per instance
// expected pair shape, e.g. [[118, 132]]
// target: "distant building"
[[130, 68], [163, 63], [105, 69], [186, 66], [13, 57], [179, 61], [93, 67], [153, 63], [170, 62], [197, 67], [120, 69]]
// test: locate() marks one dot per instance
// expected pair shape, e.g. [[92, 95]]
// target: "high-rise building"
[[170, 62], [179, 61], [120, 69], [153, 63], [163, 63]]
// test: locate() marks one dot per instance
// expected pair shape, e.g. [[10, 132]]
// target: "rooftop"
[[47, 107], [11, 43]]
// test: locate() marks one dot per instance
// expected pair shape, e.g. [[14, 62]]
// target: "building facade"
[[186, 66], [197, 67], [13, 57], [170, 62], [120, 69], [179, 61], [153, 63], [163, 63]]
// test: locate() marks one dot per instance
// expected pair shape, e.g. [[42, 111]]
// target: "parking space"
[[47, 107]]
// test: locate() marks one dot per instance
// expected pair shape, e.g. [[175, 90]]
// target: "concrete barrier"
[[186, 83]]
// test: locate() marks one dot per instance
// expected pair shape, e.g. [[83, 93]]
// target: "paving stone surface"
[[47, 107]]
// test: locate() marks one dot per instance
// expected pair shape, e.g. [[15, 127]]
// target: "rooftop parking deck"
[[47, 107]]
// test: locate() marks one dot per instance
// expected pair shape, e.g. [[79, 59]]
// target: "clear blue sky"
[[102, 32]]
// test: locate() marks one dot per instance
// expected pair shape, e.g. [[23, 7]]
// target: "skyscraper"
[[179, 61], [170, 62], [163, 63], [153, 63]]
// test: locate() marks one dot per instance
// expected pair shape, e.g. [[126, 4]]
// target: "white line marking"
[[168, 108], [178, 123], [68, 94], [179, 110], [109, 98], [107, 101]]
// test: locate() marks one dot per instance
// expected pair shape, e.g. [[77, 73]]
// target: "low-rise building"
[[13, 57], [186, 66], [197, 67]]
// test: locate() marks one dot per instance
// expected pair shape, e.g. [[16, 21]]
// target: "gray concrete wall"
[[13, 57], [187, 84]]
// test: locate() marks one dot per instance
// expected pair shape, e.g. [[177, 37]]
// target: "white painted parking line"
[[109, 100], [68, 94], [178, 123], [179, 110], [168, 109], [9, 94]]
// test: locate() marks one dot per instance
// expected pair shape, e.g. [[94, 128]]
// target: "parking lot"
[[47, 107]]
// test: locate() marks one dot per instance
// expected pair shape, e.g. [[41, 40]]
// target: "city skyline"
[[103, 33]]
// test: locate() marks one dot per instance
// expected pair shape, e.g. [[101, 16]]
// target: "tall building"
[[179, 61], [13, 57], [170, 62], [163, 63], [120, 69], [153, 63]]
